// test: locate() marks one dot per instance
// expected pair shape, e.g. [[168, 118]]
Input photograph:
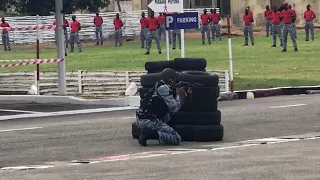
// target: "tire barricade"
[[199, 118]]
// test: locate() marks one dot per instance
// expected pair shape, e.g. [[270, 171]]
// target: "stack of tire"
[[199, 118]]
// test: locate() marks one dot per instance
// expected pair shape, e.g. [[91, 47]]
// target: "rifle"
[[188, 87]]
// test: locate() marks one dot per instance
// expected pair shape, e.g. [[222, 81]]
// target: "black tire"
[[200, 133], [191, 118], [149, 80], [190, 63], [158, 66], [204, 78]]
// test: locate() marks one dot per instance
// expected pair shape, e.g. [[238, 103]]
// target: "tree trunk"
[[118, 4]]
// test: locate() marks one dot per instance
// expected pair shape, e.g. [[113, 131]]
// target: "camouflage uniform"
[[289, 29], [143, 36], [162, 30], [215, 31], [167, 135], [153, 34], [99, 35], [118, 36], [269, 27], [74, 38], [276, 29], [248, 32], [205, 29], [175, 34], [6, 41], [309, 27]]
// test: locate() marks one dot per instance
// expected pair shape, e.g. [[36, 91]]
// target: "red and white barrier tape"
[[31, 62], [28, 28]]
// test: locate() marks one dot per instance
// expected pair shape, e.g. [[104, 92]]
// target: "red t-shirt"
[[144, 22], [276, 17], [287, 16], [117, 23], [4, 25], [250, 13], [308, 15], [247, 19], [98, 21], [205, 19], [215, 18], [75, 26], [161, 19], [268, 14], [153, 23], [65, 24]]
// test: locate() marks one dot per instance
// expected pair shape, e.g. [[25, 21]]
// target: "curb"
[[259, 93]]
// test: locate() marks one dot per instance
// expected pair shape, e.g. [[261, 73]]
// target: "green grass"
[[254, 67]]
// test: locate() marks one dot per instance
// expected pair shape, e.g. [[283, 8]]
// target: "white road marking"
[[63, 113], [22, 129], [287, 106], [143, 155], [19, 111]]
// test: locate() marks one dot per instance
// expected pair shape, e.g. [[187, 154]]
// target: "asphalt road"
[[59, 140]]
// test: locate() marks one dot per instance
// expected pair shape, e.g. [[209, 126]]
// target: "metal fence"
[[84, 83], [131, 26]]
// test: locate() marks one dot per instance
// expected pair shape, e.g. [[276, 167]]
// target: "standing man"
[[309, 15], [98, 21], [176, 33], [5, 35], [276, 29], [153, 26], [294, 22], [65, 30], [248, 28], [117, 22], [268, 15], [74, 35], [205, 20], [289, 18], [162, 29], [157, 108], [215, 26], [144, 29]]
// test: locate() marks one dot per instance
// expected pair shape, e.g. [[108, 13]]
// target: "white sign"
[[166, 6]]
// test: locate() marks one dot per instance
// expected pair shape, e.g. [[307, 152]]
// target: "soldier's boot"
[[295, 49], [284, 50], [101, 43], [160, 52], [143, 137], [97, 43]]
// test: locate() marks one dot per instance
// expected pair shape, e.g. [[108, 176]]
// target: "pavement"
[[99, 140]]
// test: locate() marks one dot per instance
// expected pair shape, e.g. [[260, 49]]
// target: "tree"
[[3, 5], [44, 7]]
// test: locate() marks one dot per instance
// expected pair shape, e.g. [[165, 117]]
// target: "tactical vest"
[[154, 106]]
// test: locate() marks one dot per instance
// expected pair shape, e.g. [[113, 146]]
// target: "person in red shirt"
[[65, 30], [144, 29], [276, 27], [309, 15], [294, 22], [5, 35], [289, 18], [74, 35], [215, 26], [153, 26], [250, 13], [162, 29], [117, 22], [98, 21], [205, 20], [268, 15], [247, 18]]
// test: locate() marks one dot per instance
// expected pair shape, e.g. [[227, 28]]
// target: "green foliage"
[[45, 7]]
